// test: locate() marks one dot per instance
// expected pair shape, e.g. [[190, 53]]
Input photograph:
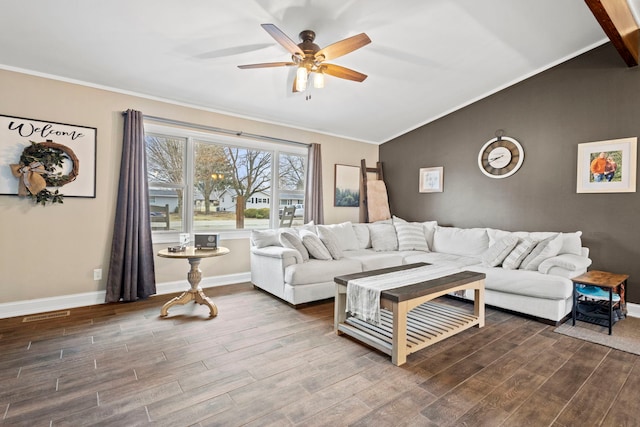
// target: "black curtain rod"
[[221, 130]]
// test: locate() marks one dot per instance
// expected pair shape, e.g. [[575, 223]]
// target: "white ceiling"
[[427, 57]]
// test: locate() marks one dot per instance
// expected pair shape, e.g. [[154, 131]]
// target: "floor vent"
[[46, 316]]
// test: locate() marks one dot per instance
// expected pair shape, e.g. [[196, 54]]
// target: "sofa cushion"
[[344, 232], [317, 271], [371, 259], [497, 252], [363, 235], [460, 241], [547, 248], [383, 237], [440, 258], [330, 241], [290, 239], [528, 283], [264, 238], [519, 253], [411, 237]]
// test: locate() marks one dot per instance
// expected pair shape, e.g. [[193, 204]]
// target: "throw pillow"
[[330, 241], [289, 239], [264, 238], [519, 253], [383, 237], [314, 245], [347, 238], [571, 243], [497, 252], [429, 231], [547, 248], [411, 237], [362, 233]]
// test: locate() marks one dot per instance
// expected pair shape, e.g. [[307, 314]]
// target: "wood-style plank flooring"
[[263, 363]]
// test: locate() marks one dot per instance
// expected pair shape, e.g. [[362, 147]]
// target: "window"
[[214, 183]]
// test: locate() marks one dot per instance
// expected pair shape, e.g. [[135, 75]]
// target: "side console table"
[[610, 282]]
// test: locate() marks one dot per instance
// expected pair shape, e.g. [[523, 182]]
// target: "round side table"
[[194, 256]]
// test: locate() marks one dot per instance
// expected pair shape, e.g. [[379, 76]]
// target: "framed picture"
[[431, 180], [607, 166], [78, 143], [347, 186]]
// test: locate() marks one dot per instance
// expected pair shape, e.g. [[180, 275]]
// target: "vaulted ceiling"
[[426, 58]]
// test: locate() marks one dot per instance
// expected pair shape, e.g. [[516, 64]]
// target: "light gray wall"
[[593, 97]]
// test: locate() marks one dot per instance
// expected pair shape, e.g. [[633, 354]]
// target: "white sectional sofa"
[[526, 272]]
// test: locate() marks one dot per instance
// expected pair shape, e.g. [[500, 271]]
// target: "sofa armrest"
[[279, 252], [569, 262]]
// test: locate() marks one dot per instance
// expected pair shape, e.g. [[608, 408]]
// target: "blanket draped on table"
[[363, 295]]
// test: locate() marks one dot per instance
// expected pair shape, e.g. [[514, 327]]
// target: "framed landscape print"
[[607, 166], [75, 144], [347, 186], [431, 180]]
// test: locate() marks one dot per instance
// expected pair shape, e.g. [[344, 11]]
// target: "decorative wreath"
[[37, 171]]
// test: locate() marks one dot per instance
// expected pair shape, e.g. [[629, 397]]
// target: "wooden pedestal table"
[[194, 276]]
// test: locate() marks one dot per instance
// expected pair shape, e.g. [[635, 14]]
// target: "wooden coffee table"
[[410, 320]]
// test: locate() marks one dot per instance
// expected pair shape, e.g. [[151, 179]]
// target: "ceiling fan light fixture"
[[302, 76], [318, 80]]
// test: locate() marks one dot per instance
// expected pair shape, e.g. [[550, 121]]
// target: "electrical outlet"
[[97, 274]]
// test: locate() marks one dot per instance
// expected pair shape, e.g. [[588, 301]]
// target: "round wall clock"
[[500, 157]]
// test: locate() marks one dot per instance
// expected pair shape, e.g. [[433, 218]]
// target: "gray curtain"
[[313, 209], [131, 269]]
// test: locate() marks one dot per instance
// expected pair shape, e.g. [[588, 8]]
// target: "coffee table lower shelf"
[[427, 324]]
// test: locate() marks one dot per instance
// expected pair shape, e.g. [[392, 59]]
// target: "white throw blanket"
[[363, 295]]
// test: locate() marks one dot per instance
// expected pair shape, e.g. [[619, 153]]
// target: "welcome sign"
[[18, 133]]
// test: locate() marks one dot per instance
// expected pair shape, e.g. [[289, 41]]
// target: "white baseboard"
[[64, 302], [633, 310]]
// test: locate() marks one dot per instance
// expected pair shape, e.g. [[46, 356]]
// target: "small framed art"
[[431, 180]]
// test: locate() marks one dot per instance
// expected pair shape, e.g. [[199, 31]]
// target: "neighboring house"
[[163, 197]]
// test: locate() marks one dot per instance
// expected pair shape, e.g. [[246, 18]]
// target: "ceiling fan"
[[309, 58]]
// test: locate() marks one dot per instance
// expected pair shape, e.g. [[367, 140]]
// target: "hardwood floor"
[[262, 363]]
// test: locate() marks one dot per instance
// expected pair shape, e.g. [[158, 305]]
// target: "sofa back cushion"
[[460, 241], [383, 237]]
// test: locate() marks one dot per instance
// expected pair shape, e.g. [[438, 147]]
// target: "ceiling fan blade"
[[342, 72], [283, 39], [230, 51], [344, 46], [267, 65]]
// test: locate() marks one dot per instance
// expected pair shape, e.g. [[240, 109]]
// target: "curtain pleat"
[[313, 207], [131, 268]]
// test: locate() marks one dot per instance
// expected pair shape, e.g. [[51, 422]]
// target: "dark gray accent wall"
[[592, 97]]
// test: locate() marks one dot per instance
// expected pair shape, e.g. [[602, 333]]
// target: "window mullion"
[[189, 167]]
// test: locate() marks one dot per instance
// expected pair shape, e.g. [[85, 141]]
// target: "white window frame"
[[192, 136]]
